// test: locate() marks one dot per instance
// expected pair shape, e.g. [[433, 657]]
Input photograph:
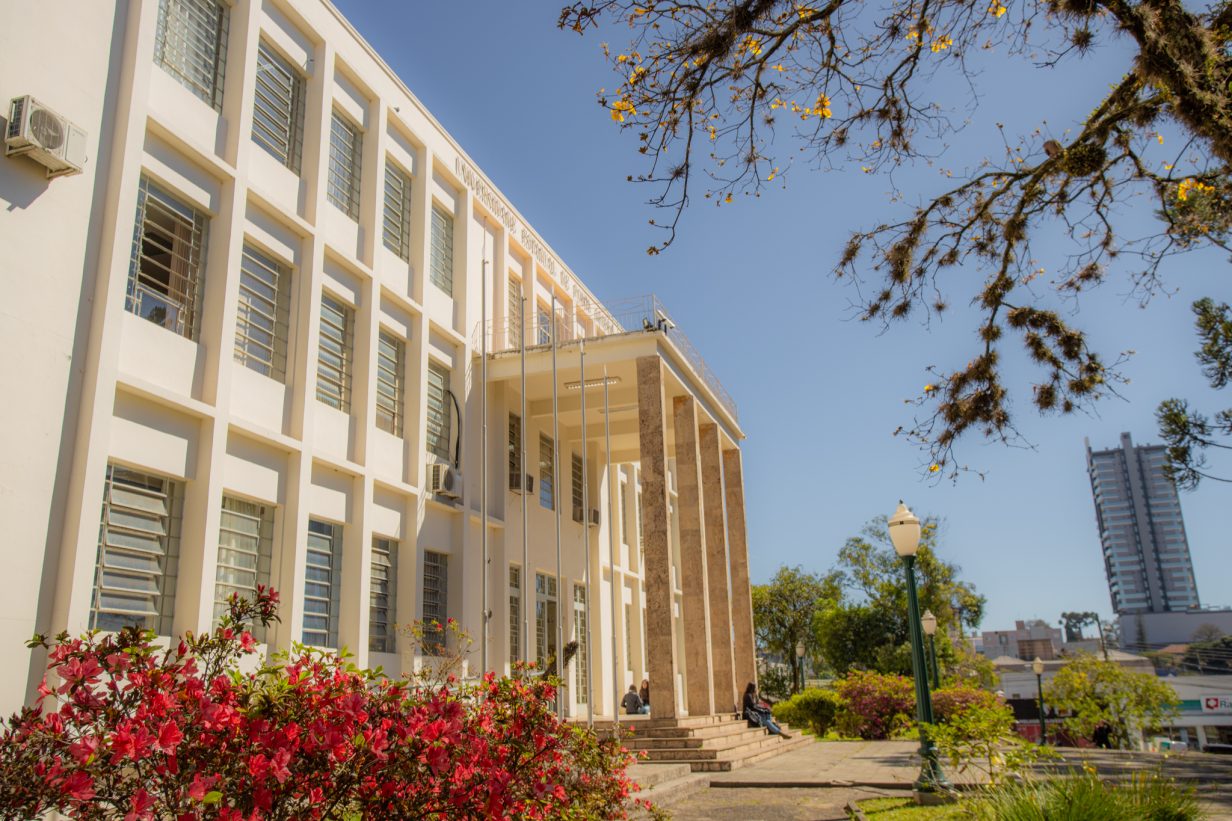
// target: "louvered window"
[[545, 616], [342, 180], [390, 360], [442, 250], [397, 221], [579, 635], [321, 584], [278, 108], [435, 601], [438, 427], [514, 313], [191, 44], [547, 472], [164, 275], [382, 608], [334, 354], [543, 325], [138, 552], [263, 311], [576, 482], [515, 614], [515, 452], [245, 552]]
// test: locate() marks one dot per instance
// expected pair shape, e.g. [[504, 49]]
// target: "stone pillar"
[[726, 697], [660, 633], [698, 694], [742, 599]]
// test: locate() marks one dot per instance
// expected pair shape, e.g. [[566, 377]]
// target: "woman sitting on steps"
[[758, 714]]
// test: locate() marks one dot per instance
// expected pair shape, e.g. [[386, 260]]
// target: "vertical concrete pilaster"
[[660, 633], [726, 697], [698, 694], [742, 600]]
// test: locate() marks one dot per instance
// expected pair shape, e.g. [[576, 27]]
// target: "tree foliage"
[[785, 611], [1099, 693], [707, 88]]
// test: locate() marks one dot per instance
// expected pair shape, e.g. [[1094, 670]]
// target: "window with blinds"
[[543, 325], [390, 362], [164, 275], [576, 482], [342, 176], [435, 601], [515, 614], [138, 552], [322, 583], [262, 314], [190, 43], [334, 354], [547, 472], [441, 263], [579, 635], [438, 423], [278, 108], [397, 219], [515, 452], [245, 553], [545, 616], [382, 609], [513, 313]]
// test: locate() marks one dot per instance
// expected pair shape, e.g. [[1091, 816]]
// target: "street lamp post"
[[1038, 667], [904, 529], [929, 622], [800, 663]]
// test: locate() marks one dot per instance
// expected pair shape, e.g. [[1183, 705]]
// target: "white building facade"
[[251, 338]]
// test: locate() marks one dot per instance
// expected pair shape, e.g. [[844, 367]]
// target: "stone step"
[[668, 731], [647, 774], [731, 760], [641, 722], [721, 749], [708, 741]]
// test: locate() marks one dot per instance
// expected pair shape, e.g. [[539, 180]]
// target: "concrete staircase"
[[705, 743]]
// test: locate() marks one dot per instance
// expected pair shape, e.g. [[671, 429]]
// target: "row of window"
[[546, 621], [547, 469], [164, 287], [138, 557], [191, 44]]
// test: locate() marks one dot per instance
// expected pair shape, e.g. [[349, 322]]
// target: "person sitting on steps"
[[644, 695], [631, 703], [758, 714]]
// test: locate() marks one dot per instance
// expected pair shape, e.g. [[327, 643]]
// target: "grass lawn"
[[905, 809]]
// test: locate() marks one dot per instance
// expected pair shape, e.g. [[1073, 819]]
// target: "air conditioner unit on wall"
[[444, 480], [41, 134], [594, 515], [528, 483]]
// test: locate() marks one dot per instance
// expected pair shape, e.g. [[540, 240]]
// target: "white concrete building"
[[245, 344]]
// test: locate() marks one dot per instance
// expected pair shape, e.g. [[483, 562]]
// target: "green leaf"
[[212, 797]]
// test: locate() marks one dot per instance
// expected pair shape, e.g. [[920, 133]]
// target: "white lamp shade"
[[929, 622], [904, 530], [1038, 666], [799, 649]]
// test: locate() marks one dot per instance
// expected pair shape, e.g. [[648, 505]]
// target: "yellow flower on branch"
[[822, 107], [751, 44], [1191, 186], [941, 43], [620, 108], [997, 9], [934, 467]]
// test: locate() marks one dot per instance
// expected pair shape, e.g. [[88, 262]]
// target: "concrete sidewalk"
[[879, 764]]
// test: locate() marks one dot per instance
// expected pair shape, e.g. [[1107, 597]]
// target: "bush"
[[958, 698], [137, 731], [981, 736], [874, 706], [814, 709], [1087, 798]]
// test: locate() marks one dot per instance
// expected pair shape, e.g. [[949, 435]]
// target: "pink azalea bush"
[[133, 731], [875, 705], [952, 701]]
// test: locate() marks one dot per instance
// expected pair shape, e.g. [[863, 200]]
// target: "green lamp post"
[[1038, 667], [929, 622], [904, 529]]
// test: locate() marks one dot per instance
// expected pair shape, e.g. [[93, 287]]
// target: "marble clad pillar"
[[699, 697], [726, 697], [657, 570], [738, 548]]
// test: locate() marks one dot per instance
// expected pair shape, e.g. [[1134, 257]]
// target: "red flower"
[[169, 737]]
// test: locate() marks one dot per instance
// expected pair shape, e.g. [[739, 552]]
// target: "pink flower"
[[169, 737], [78, 786]]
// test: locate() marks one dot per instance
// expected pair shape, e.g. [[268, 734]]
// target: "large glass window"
[[334, 354], [382, 609], [342, 179], [545, 616], [579, 635], [164, 275], [190, 42], [547, 472], [435, 601], [543, 325], [515, 613], [438, 427], [322, 584], [262, 314], [278, 108], [441, 269], [390, 362], [397, 220], [138, 552], [245, 552]]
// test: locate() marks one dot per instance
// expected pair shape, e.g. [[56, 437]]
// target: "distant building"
[[1141, 531], [1027, 641], [1144, 631]]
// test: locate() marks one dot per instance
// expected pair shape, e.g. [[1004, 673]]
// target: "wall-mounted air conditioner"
[[445, 480], [528, 483], [594, 516], [37, 132]]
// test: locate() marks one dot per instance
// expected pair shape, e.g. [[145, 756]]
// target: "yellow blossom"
[[751, 44], [713, 133], [622, 58], [941, 43], [1188, 185], [620, 108], [1160, 137], [778, 67], [822, 106], [773, 174], [728, 198], [934, 467], [929, 388], [996, 9]]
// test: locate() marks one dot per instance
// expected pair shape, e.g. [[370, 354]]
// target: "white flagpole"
[[590, 647], [483, 458], [557, 500], [524, 593], [611, 543]]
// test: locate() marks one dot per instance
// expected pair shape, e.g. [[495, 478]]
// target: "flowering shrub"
[[956, 699], [813, 709], [875, 705], [134, 731]]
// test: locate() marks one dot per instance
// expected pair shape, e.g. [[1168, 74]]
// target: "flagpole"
[[611, 542], [590, 701], [557, 499], [483, 457], [523, 594]]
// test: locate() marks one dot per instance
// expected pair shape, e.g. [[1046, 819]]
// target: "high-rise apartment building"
[[1141, 530], [244, 345]]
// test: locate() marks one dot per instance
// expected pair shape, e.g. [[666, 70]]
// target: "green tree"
[[721, 97], [1102, 693], [852, 636], [785, 612], [1190, 434]]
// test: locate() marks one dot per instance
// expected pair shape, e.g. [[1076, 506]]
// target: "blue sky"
[[819, 393]]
